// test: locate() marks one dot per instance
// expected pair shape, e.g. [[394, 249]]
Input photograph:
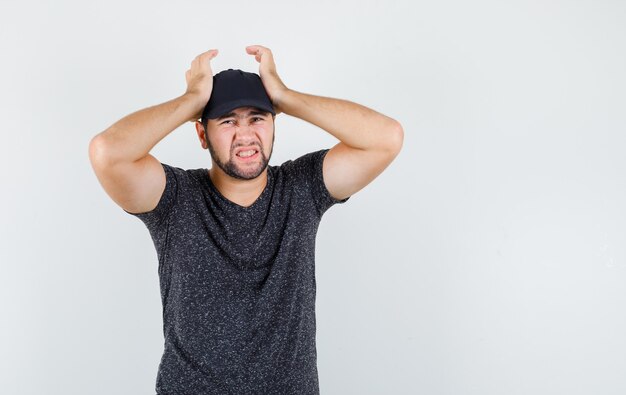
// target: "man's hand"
[[200, 81], [368, 140], [267, 70], [128, 141]]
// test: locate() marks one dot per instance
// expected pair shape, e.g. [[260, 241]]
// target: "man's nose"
[[244, 129], [245, 134]]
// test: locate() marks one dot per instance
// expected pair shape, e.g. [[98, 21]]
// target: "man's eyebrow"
[[234, 115]]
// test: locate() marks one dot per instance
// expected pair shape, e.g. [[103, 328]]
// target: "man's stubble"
[[234, 171]]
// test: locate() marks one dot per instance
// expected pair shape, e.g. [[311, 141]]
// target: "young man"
[[235, 243]]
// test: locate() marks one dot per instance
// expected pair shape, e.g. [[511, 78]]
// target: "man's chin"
[[239, 173]]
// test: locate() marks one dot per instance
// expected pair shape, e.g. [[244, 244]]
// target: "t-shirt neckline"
[[230, 203]]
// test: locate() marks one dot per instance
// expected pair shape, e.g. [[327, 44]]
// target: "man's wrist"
[[284, 101], [195, 104]]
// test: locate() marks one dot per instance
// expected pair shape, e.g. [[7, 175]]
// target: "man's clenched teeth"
[[245, 154]]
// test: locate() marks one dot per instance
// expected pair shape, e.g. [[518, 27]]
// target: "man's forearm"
[[132, 137], [353, 124]]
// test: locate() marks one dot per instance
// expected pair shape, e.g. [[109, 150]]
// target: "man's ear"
[[203, 135]]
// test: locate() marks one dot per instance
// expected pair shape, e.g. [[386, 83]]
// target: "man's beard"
[[235, 171]]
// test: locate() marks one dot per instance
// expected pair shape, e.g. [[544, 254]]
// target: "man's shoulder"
[[305, 173], [183, 179], [302, 171]]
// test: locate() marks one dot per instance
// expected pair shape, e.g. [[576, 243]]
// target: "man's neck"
[[241, 192]]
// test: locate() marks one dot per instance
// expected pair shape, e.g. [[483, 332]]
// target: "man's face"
[[241, 142]]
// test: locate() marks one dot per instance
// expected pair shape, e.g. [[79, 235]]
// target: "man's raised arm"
[[120, 157], [369, 141]]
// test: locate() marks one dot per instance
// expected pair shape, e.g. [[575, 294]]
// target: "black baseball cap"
[[233, 89]]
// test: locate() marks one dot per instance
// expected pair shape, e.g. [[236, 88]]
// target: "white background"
[[490, 257]]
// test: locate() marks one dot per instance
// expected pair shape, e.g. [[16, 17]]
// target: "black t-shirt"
[[238, 283]]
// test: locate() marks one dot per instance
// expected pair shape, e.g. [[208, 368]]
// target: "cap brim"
[[225, 108]]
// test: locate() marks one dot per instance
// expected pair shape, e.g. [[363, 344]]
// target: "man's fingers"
[[202, 61], [211, 53], [205, 56], [253, 49], [258, 51]]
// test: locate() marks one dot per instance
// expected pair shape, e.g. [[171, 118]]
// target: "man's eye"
[[230, 120], [257, 118]]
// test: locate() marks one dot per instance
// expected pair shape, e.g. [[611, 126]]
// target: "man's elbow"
[[100, 151], [394, 139]]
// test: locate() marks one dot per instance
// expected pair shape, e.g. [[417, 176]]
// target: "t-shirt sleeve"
[[312, 166], [155, 217]]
